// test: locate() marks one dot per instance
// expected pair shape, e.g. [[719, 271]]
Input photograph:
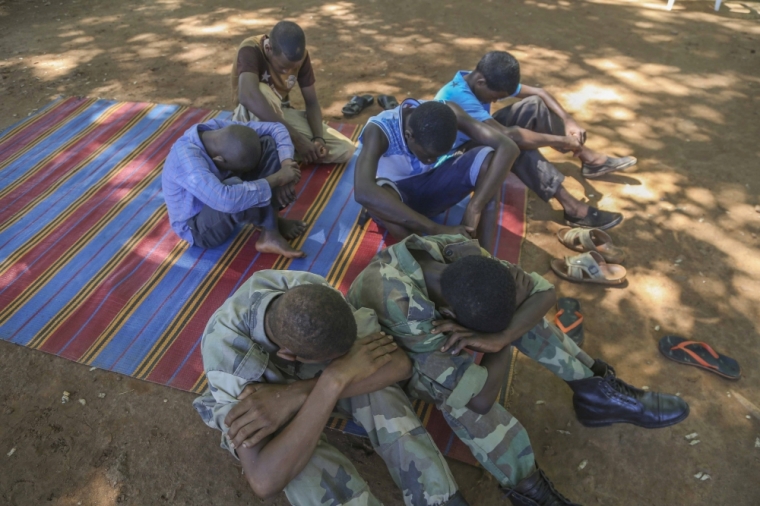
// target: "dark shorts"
[[434, 192]]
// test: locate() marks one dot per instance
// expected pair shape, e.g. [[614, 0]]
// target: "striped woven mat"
[[91, 271]]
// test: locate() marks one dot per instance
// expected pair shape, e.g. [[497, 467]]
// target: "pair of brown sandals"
[[599, 262]]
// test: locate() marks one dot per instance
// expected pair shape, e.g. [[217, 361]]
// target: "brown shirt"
[[251, 57]]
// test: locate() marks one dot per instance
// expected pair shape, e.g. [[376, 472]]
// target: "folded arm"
[[265, 408], [279, 133], [206, 187], [270, 465], [528, 139], [377, 200]]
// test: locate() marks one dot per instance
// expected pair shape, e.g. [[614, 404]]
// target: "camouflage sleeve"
[[540, 283], [450, 379], [232, 360]]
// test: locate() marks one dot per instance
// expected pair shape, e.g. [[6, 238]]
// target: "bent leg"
[[489, 182], [271, 239], [532, 114], [329, 478], [210, 227], [538, 174], [549, 346], [497, 440], [341, 148], [415, 463], [242, 114]]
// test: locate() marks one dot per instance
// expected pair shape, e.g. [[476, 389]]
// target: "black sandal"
[[357, 104], [387, 102]]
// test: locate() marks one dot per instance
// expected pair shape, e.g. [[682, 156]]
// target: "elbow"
[[264, 489], [480, 404], [363, 197], [403, 366]]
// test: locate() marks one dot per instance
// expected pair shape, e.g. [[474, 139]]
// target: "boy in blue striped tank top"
[[408, 173]]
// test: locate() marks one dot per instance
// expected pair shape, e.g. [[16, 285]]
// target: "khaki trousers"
[[341, 148]]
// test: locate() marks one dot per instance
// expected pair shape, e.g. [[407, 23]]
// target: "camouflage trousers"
[[497, 439], [397, 435]]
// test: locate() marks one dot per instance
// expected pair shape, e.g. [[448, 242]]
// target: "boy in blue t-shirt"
[[536, 121]]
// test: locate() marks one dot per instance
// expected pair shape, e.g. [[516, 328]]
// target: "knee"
[[536, 101]]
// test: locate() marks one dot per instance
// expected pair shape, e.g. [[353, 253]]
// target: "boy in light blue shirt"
[[536, 121]]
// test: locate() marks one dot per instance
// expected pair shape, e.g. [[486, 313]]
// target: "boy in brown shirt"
[[266, 68]]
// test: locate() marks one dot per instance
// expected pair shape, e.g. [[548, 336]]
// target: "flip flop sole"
[[728, 368], [570, 307]]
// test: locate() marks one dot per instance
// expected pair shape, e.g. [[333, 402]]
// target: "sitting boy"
[[407, 173], [536, 121], [416, 284], [278, 355], [221, 173], [265, 69]]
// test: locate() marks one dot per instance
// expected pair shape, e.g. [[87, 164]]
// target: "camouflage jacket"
[[237, 352], [394, 287]]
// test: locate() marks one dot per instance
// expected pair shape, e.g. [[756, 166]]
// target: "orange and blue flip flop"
[[700, 355], [569, 318]]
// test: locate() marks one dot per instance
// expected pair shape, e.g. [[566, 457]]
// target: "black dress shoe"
[[604, 399], [596, 218], [536, 490]]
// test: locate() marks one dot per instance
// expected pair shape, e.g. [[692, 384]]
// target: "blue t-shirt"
[[459, 92]]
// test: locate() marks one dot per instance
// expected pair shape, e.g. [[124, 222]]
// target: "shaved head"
[[287, 38], [240, 147], [314, 321]]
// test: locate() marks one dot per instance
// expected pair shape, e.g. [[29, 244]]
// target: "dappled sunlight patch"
[[701, 196], [588, 93]]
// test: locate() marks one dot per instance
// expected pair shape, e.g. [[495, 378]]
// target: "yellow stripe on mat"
[[36, 142], [188, 310], [74, 206], [81, 243], [63, 314], [347, 253], [134, 302], [316, 208], [69, 174], [98, 123]]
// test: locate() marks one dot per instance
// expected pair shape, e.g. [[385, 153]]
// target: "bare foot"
[[290, 229], [270, 241]]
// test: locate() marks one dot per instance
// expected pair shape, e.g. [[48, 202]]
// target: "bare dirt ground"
[[677, 89]]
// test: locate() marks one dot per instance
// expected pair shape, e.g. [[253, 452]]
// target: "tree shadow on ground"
[[679, 90]]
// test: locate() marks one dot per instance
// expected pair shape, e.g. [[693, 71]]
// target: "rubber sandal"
[[357, 104], [700, 355], [591, 239], [589, 268], [569, 318], [596, 218], [387, 102], [610, 165]]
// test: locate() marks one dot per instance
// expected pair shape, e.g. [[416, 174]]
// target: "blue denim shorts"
[[434, 192]]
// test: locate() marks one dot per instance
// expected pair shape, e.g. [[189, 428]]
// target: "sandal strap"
[[576, 236], [683, 347], [584, 263], [570, 327]]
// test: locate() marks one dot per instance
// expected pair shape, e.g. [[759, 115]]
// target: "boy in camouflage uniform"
[[489, 304], [278, 355]]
